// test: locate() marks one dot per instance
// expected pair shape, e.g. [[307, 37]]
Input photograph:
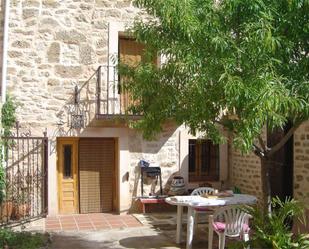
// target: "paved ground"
[[90, 222], [138, 238], [114, 238], [157, 231]]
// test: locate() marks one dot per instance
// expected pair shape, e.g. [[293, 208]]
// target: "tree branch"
[[258, 151], [262, 143], [282, 142]]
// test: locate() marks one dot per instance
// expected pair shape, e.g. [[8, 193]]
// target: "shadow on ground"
[[158, 232], [113, 239]]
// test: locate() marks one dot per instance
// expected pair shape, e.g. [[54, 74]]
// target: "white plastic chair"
[[203, 190], [228, 221], [200, 191]]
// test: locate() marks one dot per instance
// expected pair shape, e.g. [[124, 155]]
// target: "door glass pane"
[[67, 161]]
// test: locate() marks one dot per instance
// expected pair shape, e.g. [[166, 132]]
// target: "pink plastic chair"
[[228, 221]]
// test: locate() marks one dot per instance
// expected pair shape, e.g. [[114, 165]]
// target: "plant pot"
[[177, 186], [178, 181], [6, 210], [21, 210]]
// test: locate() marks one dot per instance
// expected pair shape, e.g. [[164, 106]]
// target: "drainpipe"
[[4, 49]]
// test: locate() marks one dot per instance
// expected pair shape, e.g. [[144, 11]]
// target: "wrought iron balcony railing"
[[101, 95]]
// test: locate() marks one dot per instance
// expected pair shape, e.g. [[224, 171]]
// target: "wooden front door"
[[67, 164]]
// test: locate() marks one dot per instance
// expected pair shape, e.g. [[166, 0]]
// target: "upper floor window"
[[204, 160]]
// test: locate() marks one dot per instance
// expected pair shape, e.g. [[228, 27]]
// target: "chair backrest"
[[235, 219], [203, 190]]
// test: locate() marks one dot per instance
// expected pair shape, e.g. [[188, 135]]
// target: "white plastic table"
[[197, 201]]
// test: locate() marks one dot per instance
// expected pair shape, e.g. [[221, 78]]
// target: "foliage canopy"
[[240, 64]]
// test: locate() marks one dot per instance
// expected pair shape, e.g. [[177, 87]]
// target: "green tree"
[[238, 65]]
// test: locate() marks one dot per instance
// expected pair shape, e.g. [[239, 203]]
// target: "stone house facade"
[[54, 46]]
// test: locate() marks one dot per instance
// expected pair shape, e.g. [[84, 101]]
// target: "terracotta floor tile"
[[109, 215], [131, 221], [85, 227], [66, 218], [118, 225], [68, 223], [134, 225], [82, 218], [83, 222], [99, 223], [53, 227], [69, 229], [80, 215], [52, 222], [97, 218], [102, 226], [112, 220], [90, 222], [115, 222]]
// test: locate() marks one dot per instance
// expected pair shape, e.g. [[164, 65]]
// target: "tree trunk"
[[266, 187]]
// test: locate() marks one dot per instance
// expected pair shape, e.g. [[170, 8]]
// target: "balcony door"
[[130, 53]]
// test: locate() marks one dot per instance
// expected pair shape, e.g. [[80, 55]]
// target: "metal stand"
[[150, 172]]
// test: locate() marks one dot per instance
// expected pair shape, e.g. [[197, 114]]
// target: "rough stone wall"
[[245, 172], [54, 45], [163, 152], [301, 163], [245, 169]]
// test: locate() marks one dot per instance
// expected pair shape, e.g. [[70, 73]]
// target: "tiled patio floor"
[[90, 222]]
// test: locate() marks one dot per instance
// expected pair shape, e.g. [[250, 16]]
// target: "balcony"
[[101, 100]]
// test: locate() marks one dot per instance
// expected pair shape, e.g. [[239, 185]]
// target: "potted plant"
[[273, 230], [6, 209], [21, 207]]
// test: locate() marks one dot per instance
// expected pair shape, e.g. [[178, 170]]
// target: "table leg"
[[179, 224], [190, 227]]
